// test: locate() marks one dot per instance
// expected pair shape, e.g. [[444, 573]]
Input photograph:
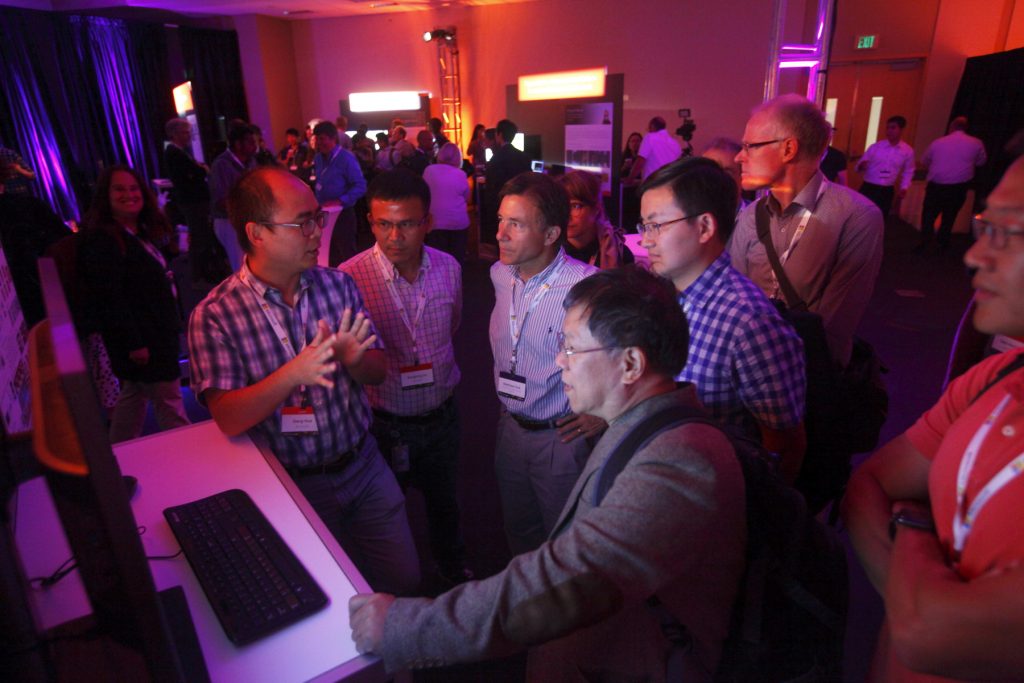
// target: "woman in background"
[[630, 202], [449, 195], [477, 150], [590, 237], [122, 264]]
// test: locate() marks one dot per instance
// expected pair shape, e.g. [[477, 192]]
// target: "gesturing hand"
[[315, 363], [352, 338]]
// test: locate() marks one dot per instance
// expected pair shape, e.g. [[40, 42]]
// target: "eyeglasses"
[[306, 227], [747, 146], [646, 229], [578, 206], [403, 226], [570, 352], [998, 235]]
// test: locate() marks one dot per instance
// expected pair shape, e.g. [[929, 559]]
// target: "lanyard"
[[962, 522], [275, 324], [515, 327], [387, 272], [238, 161], [805, 218]]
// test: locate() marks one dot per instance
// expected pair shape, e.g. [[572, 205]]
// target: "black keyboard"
[[252, 579]]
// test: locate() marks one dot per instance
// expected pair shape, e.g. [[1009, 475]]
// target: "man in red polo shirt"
[[935, 515]]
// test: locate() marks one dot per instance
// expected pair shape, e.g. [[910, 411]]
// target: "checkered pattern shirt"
[[538, 343], [746, 361], [233, 346], [440, 279]]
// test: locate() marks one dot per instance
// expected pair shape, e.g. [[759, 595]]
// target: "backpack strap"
[[648, 428], [764, 236], [638, 437], [1016, 364]]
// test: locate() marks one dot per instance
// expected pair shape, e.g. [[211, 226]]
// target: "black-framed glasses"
[[403, 226], [646, 229], [747, 146], [998, 235], [306, 227], [570, 352]]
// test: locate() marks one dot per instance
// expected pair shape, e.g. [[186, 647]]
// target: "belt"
[[422, 418], [336, 465], [534, 425]]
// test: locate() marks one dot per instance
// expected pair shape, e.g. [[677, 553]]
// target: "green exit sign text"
[[866, 42]]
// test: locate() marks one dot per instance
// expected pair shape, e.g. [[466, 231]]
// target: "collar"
[[700, 290], [262, 288], [807, 198], [544, 274], [395, 275]]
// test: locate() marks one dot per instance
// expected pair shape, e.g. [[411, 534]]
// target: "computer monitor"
[[92, 501]]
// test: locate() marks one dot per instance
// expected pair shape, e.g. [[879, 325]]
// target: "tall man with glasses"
[[281, 350], [414, 296], [745, 361], [828, 237], [541, 445], [672, 525]]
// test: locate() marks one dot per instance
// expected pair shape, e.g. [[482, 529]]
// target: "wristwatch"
[[909, 519]]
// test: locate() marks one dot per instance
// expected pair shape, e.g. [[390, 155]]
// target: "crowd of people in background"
[[349, 371]]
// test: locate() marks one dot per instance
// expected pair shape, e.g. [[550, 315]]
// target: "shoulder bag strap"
[[793, 300]]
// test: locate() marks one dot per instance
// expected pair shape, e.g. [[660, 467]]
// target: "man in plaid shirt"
[[281, 349], [745, 360], [414, 295]]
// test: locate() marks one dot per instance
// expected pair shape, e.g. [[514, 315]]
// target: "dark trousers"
[[430, 465], [205, 255], [944, 200], [343, 239], [881, 195], [450, 241]]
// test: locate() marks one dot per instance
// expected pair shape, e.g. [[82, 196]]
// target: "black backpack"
[[846, 407], [789, 619]]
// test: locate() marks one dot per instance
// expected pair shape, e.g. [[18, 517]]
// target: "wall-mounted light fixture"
[[408, 100], [183, 98], [562, 85]]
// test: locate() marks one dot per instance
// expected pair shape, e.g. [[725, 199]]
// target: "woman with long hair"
[[122, 264]]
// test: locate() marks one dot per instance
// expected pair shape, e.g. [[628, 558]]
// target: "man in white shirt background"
[[951, 161], [656, 150], [888, 166]]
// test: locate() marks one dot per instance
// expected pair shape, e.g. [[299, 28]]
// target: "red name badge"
[[413, 376], [298, 421]]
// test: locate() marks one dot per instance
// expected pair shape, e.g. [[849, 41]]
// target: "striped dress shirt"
[[233, 346], [440, 281], [538, 341]]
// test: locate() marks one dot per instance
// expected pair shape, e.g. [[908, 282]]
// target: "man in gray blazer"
[[672, 524]]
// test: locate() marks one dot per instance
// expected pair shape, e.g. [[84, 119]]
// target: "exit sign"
[[866, 42]]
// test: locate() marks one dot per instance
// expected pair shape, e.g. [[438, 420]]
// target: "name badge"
[[413, 376], [296, 421], [512, 386]]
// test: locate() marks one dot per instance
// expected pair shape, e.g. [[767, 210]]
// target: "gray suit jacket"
[[673, 525]]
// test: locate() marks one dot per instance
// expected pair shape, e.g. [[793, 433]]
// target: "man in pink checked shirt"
[[414, 295]]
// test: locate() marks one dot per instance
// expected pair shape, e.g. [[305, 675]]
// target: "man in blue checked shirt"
[[745, 360], [281, 350], [339, 182]]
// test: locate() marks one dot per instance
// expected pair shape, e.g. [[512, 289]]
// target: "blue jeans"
[[433, 458], [365, 510]]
